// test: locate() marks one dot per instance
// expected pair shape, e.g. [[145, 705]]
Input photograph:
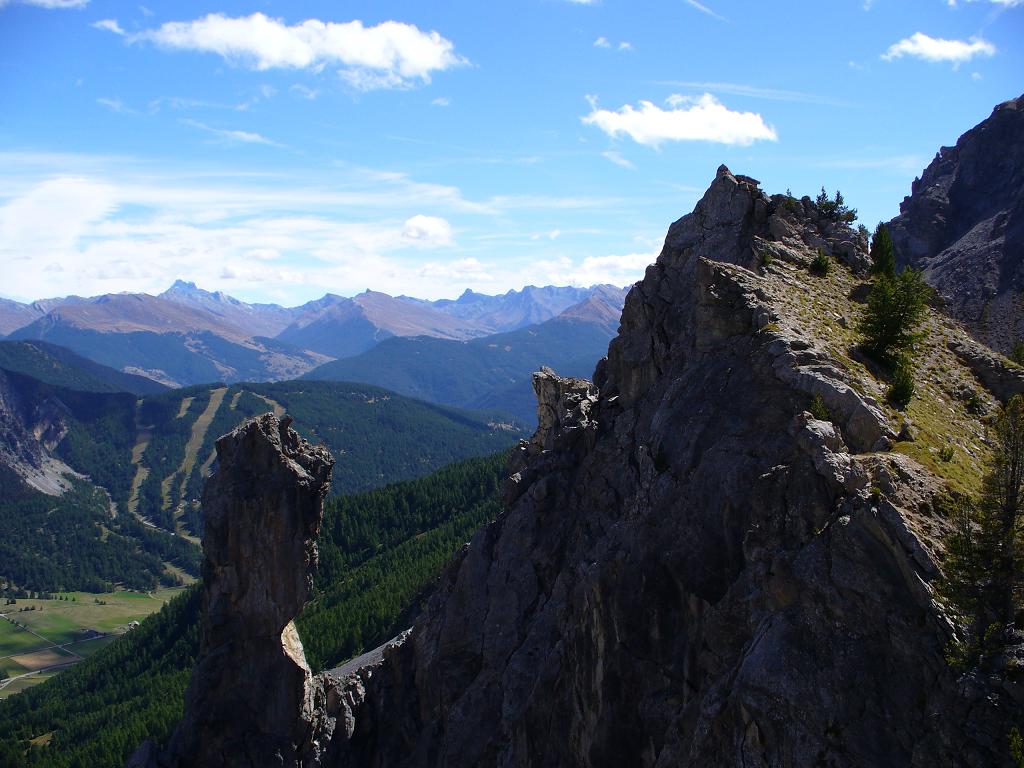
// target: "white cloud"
[[49, 219], [441, 101], [428, 230], [110, 25], [50, 4], [701, 119], [614, 269], [97, 224], [388, 55], [937, 49], [618, 159], [604, 42], [244, 137]]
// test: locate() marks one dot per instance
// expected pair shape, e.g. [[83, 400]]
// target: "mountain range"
[[730, 547], [188, 335], [492, 372]]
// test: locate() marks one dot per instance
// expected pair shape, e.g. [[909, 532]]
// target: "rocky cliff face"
[[691, 569], [963, 224], [31, 428]]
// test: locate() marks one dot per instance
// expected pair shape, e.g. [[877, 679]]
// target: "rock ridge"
[[691, 568], [707, 556]]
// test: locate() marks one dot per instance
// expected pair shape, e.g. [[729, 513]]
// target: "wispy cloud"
[[244, 137], [305, 92], [937, 49], [899, 163], [441, 101], [179, 102], [612, 156], [704, 9], [604, 42], [119, 226], [1004, 3], [116, 105], [687, 119], [753, 91], [110, 25], [50, 4], [389, 55]]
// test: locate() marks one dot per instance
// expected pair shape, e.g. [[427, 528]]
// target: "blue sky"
[[280, 150]]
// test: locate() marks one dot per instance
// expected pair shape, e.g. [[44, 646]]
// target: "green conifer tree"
[[982, 572], [896, 306], [883, 256]]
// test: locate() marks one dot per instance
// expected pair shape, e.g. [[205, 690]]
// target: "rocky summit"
[[963, 224], [692, 568]]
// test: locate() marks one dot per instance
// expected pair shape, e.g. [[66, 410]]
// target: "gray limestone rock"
[[963, 224], [1000, 377]]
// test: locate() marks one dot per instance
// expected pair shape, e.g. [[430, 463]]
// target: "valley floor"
[[38, 638]]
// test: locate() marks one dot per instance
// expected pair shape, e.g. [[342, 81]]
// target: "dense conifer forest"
[[380, 552], [67, 542]]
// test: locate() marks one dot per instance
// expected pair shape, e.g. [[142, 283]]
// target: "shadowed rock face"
[[691, 570], [963, 224], [251, 699]]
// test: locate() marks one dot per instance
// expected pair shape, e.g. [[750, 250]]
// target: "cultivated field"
[[40, 637]]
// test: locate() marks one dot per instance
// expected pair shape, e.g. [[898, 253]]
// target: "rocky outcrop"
[[32, 424], [252, 700], [692, 570], [963, 224], [1000, 377]]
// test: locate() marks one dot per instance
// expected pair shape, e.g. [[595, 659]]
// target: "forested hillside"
[[489, 373], [71, 541], [376, 437], [57, 365], [153, 454], [380, 551]]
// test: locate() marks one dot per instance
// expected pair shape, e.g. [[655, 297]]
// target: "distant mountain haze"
[[258, 319], [350, 326], [491, 372], [188, 335], [514, 309]]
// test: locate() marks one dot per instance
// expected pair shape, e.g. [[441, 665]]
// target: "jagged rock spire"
[[250, 700]]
